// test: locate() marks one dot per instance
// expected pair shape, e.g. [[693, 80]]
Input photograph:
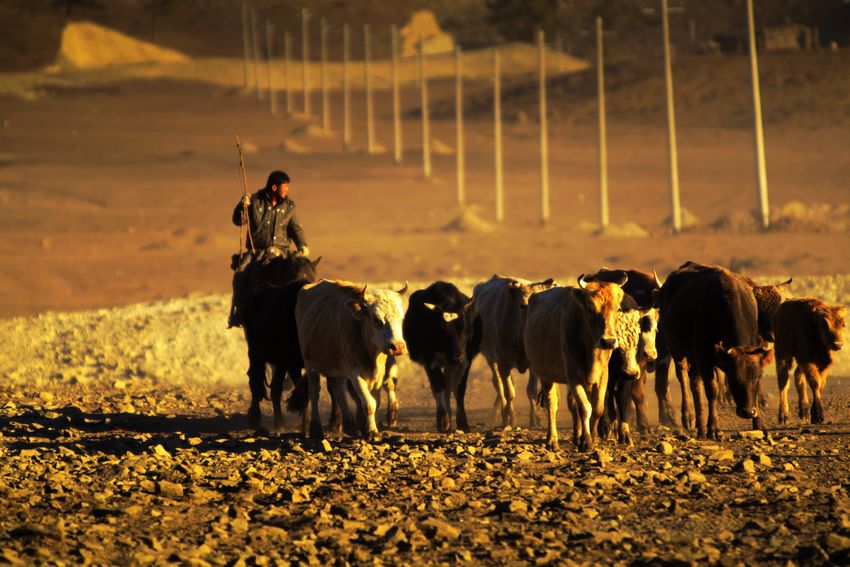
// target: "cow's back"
[[544, 329], [501, 322], [330, 336], [703, 307]]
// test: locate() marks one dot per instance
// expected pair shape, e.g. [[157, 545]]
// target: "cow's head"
[[522, 291], [831, 326], [381, 313], [768, 299], [455, 324], [648, 332], [628, 339], [743, 368], [601, 301]]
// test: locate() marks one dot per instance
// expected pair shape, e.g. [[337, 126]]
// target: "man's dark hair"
[[276, 178]]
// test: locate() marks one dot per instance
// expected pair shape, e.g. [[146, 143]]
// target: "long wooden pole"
[[346, 90], [673, 159], [256, 44], [397, 149], [305, 56], [497, 136], [367, 79], [460, 164], [426, 131], [544, 131], [758, 128], [243, 175], [603, 140], [246, 43], [287, 46], [269, 63], [326, 106]]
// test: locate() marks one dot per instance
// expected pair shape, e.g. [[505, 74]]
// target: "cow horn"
[[363, 291], [316, 261], [785, 283], [403, 290], [547, 282], [657, 280], [429, 306], [581, 282]]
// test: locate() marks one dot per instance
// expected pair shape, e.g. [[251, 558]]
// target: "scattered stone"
[[448, 483], [438, 529], [723, 455], [603, 457], [326, 446], [748, 466], [764, 460], [751, 434], [169, 489], [511, 506], [664, 448]]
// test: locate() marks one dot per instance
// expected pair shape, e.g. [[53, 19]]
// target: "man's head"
[[278, 183]]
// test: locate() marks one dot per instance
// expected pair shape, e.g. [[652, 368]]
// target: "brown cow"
[[348, 335], [501, 303], [808, 331], [569, 336]]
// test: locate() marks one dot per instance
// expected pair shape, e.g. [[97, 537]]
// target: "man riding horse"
[[272, 226]]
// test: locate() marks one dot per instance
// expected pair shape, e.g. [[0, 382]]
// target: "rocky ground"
[[123, 442]]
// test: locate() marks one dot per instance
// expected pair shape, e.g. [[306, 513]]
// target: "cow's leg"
[[339, 402], [278, 376], [460, 396], [710, 384], [598, 394], [531, 392], [609, 415], [638, 397], [662, 392], [335, 419], [549, 392], [508, 417], [392, 399], [687, 402], [574, 414], [313, 385], [696, 388], [802, 394], [437, 380], [500, 402], [817, 381], [367, 402], [624, 401], [783, 383], [585, 410]]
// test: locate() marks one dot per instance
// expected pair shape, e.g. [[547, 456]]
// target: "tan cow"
[[501, 302], [347, 334], [569, 336], [808, 331]]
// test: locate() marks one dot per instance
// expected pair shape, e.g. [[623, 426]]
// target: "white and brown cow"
[[347, 332], [569, 336], [501, 303]]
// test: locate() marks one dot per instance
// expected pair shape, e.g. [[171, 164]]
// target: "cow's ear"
[[358, 309], [547, 282], [839, 312], [722, 355], [429, 306]]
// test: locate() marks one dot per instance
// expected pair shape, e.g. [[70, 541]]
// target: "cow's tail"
[[297, 400]]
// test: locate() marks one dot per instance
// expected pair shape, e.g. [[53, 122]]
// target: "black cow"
[[768, 298], [709, 318], [443, 334], [269, 324]]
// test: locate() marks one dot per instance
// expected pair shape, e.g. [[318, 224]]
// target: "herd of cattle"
[[601, 338]]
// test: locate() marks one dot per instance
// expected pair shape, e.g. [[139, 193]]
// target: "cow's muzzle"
[[396, 348], [837, 345], [608, 343], [746, 413]]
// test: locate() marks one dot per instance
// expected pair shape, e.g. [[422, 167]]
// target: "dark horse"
[[269, 323]]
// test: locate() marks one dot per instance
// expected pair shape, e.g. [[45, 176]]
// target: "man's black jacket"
[[271, 224]]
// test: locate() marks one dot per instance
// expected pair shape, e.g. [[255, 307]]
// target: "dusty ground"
[[123, 440]]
